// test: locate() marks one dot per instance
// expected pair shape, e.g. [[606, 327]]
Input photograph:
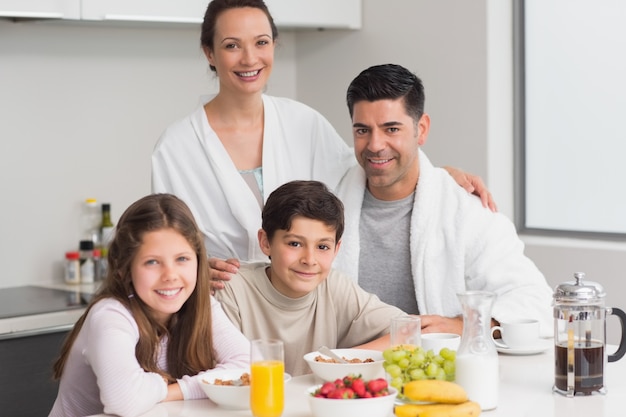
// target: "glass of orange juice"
[[267, 384], [406, 332]]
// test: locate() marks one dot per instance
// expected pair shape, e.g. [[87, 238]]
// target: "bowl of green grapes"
[[408, 363]]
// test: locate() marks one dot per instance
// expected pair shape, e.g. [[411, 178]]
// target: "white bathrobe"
[[190, 161], [456, 245]]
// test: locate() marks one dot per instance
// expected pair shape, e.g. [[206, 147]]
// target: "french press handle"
[[621, 350]]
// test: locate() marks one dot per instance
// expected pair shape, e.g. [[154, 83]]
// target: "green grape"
[[404, 363], [397, 355], [432, 369], [397, 383], [393, 370], [418, 358], [417, 374], [446, 353]]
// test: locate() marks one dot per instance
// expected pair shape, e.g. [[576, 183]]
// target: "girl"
[[153, 326]]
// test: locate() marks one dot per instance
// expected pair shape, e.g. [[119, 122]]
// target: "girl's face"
[[243, 52], [164, 272]]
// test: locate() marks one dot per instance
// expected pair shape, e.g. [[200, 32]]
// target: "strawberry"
[[347, 393], [347, 380], [377, 385], [326, 388], [339, 383], [358, 386], [367, 394]]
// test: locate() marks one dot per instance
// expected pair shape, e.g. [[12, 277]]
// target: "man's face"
[[386, 143]]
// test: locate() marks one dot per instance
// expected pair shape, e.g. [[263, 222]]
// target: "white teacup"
[[517, 334], [438, 341]]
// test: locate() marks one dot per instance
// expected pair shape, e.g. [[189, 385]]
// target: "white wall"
[[81, 106]]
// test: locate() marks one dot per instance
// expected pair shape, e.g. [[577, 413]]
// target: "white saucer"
[[541, 346]]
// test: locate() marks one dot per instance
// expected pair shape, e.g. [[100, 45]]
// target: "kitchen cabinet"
[[179, 11], [40, 9], [26, 384], [34, 322], [331, 14], [293, 14]]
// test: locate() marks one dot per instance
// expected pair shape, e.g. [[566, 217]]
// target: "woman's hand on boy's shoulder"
[[222, 270]]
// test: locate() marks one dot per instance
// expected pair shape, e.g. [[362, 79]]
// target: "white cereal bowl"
[[229, 396], [331, 371], [362, 407]]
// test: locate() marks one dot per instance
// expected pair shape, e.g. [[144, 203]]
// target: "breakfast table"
[[525, 390]]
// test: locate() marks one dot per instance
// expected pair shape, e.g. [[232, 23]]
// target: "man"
[[413, 236]]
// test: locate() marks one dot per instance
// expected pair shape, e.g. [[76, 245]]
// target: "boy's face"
[[301, 257]]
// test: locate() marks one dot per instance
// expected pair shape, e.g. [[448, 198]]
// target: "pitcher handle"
[[621, 350]]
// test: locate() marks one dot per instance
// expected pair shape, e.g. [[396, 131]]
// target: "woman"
[[153, 326], [226, 157]]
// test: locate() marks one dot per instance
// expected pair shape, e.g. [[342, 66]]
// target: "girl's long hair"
[[190, 343]]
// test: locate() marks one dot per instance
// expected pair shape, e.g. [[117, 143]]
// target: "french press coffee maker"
[[580, 337]]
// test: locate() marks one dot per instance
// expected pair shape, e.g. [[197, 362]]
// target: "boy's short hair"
[[310, 199]]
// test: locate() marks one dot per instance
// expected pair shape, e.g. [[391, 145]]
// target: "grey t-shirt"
[[385, 258]]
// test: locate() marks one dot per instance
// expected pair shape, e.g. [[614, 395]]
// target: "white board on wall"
[[575, 115]]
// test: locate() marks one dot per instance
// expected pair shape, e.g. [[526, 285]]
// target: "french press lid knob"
[[579, 291]]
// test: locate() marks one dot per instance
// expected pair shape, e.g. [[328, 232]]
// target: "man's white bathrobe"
[[456, 245], [190, 161]]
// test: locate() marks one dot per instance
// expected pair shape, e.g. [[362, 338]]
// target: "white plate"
[[541, 346]]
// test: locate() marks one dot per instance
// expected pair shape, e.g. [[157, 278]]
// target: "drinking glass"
[[267, 385], [406, 331]]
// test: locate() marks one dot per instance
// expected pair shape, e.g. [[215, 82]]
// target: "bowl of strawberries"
[[352, 396]]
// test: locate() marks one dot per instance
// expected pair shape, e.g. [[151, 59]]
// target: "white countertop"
[[525, 391]]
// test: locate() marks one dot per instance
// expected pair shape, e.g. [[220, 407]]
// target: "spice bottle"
[[90, 221], [97, 261], [106, 226], [72, 267], [87, 266]]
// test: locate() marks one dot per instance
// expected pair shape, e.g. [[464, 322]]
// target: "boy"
[[297, 297]]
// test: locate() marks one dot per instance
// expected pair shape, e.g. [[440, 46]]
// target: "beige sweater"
[[338, 314]]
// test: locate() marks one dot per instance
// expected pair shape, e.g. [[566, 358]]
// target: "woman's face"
[[243, 50], [164, 272]]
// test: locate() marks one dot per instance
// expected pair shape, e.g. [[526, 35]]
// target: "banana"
[[435, 391], [466, 409]]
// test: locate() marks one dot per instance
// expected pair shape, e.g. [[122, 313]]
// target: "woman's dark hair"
[[216, 7], [388, 81], [190, 343], [310, 199]]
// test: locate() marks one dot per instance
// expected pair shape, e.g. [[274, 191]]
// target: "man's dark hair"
[[388, 81]]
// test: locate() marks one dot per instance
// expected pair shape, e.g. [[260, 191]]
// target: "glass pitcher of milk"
[[477, 357]]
